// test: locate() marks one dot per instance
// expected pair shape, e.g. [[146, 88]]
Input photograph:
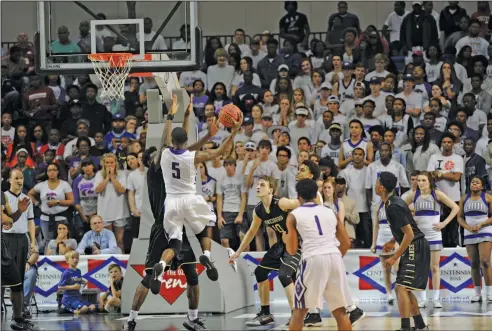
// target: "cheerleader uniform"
[[476, 212], [384, 233], [427, 213]]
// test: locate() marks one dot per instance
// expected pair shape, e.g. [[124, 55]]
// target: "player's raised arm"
[[166, 132], [248, 237], [187, 114], [292, 236], [201, 157], [290, 204]]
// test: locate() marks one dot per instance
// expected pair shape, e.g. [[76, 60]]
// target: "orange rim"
[[114, 59], [147, 57]]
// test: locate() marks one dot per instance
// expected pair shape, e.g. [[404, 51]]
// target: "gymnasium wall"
[[215, 18]]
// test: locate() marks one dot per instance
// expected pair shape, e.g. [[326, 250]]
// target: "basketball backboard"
[[166, 32]]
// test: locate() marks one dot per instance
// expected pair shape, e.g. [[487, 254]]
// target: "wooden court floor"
[[453, 316]]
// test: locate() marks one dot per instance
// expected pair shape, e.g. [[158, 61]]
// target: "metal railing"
[[225, 39]]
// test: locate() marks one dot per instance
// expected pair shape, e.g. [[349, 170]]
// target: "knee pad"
[[175, 245], [16, 288], [146, 280], [285, 277], [203, 234], [261, 274], [191, 275]]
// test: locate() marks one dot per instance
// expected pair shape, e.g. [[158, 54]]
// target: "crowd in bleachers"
[[410, 95]]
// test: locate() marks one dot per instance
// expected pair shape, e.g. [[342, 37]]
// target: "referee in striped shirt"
[[17, 225]]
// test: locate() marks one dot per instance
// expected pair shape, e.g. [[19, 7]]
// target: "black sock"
[[265, 309], [405, 323], [419, 322]]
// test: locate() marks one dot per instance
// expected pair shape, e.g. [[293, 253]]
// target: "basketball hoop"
[[112, 69]]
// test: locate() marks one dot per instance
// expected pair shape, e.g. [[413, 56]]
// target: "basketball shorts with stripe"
[[277, 258], [321, 276], [414, 267]]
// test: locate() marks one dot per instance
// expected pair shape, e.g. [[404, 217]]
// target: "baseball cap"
[[388, 180], [248, 121], [86, 161], [374, 80], [21, 150], [417, 3], [118, 117], [302, 111], [326, 85], [274, 128], [283, 67], [250, 145], [326, 162], [347, 65], [335, 126], [408, 77], [358, 102], [266, 116], [360, 84], [417, 53], [333, 98], [266, 32]]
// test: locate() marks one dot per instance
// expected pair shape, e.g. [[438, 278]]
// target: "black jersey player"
[[158, 241], [271, 211], [414, 252]]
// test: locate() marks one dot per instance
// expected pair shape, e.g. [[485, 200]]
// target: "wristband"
[[170, 117]]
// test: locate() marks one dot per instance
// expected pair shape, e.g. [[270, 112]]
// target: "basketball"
[[228, 114]]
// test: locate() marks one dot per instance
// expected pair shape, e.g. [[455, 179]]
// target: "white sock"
[[421, 295], [163, 264], [478, 290], [351, 308], [193, 313], [435, 295], [313, 311], [488, 290], [133, 315], [206, 253]]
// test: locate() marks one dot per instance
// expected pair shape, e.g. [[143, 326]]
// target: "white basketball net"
[[112, 69]]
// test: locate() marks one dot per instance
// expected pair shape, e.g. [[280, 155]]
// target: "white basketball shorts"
[[321, 276], [188, 209]]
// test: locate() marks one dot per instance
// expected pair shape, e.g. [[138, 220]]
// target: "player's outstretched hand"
[[237, 124], [190, 107], [213, 129], [174, 105], [233, 258]]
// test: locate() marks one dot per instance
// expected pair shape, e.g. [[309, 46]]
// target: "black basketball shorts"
[[414, 267]]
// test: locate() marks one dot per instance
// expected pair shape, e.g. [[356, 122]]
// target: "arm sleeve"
[[64, 279]]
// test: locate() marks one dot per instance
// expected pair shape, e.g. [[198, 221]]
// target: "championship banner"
[[364, 272]]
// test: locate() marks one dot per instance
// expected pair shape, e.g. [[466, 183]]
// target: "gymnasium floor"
[[453, 316]]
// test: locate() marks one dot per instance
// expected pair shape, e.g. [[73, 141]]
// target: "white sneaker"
[[391, 300], [489, 297], [437, 304], [231, 252], [476, 298], [422, 304]]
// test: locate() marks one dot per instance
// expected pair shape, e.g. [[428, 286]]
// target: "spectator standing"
[[478, 44], [267, 67], [418, 31], [474, 165], [159, 43], [349, 20], [98, 115], [40, 105], [70, 123], [85, 196], [136, 181], [82, 131], [239, 40], [294, 26], [448, 168], [455, 36], [111, 184], [483, 15], [114, 138], [231, 204], [62, 243], [8, 131], [351, 219], [54, 196], [29, 172], [98, 240], [392, 25], [449, 20], [54, 144], [221, 72]]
